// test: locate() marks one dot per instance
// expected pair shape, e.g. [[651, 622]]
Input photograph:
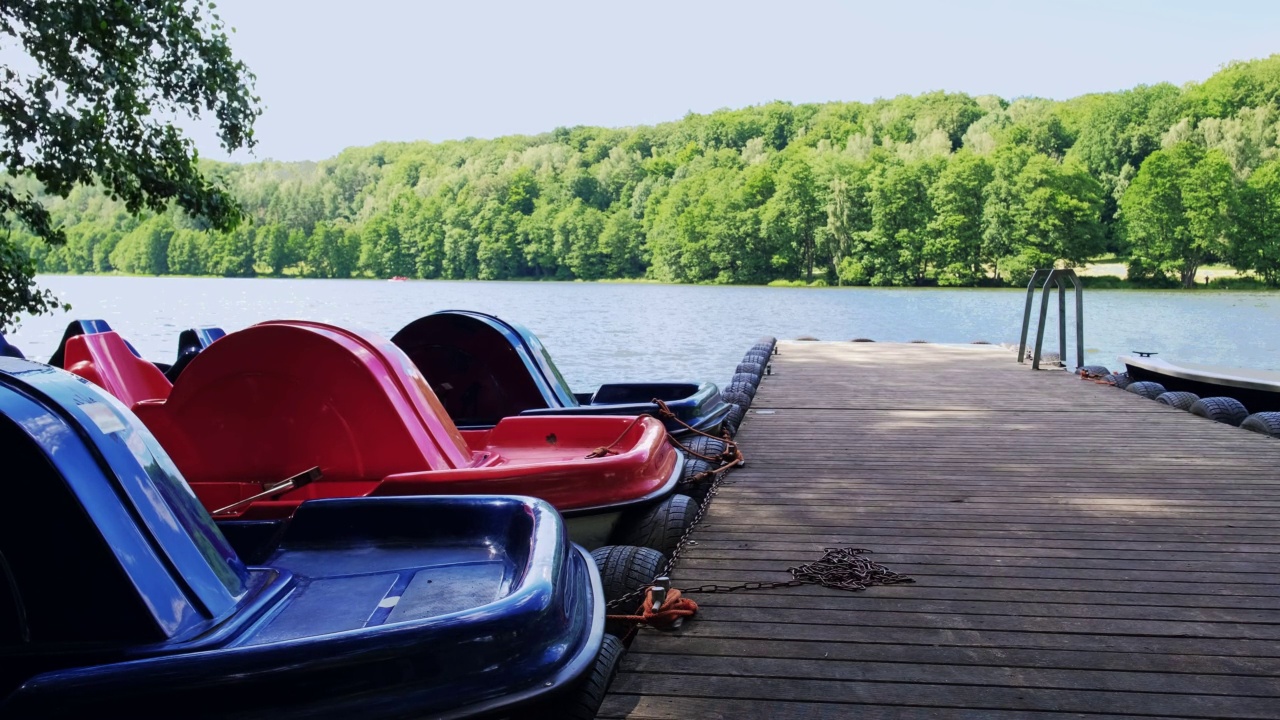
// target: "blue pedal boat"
[[119, 595], [484, 368]]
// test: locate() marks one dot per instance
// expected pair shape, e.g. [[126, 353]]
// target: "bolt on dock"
[[1078, 551]]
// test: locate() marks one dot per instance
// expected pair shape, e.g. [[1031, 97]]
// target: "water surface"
[[601, 332]]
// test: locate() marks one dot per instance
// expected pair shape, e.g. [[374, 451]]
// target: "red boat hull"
[[275, 399]]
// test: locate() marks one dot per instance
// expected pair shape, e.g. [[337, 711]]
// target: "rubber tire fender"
[[733, 421], [749, 368], [624, 568], [1120, 380], [1225, 410], [1177, 399], [584, 700], [747, 388], [1093, 370], [659, 526], [703, 445], [750, 380], [1267, 423], [735, 396], [1147, 389]]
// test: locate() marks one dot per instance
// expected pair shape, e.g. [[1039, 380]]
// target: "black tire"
[[733, 421], [703, 445], [1177, 399], [696, 489], [747, 388], [757, 358], [736, 397], [1229, 411], [1099, 370], [659, 526], [1120, 380], [695, 466], [1267, 423], [623, 568], [584, 700], [746, 381], [749, 368], [1147, 389]]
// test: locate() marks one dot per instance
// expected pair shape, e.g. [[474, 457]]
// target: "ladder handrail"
[[1054, 277]]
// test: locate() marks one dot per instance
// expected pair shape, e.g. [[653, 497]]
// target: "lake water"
[[601, 332]]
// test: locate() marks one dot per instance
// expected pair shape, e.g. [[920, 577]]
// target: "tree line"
[[934, 189]]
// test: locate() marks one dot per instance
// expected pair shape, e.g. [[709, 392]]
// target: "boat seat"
[[269, 401], [478, 372], [7, 349], [107, 361]]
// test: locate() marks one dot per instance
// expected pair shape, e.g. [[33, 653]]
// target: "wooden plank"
[[660, 707], [1001, 657], [1078, 551], [919, 670], [1025, 698]]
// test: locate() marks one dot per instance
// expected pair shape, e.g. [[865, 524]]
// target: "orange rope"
[[604, 450], [673, 608]]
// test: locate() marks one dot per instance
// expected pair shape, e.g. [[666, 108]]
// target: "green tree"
[[231, 254], [86, 104], [954, 245], [187, 253], [1256, 243], [1178, 212], [1059, 216], [145, 250], [893, 250], [848, 218], [274, 248], [794, 213], [332, 252]]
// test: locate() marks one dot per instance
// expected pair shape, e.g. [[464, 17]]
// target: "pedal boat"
[[190, 342], [120, 597], [484, 369], [1258, 390], [269, 401]]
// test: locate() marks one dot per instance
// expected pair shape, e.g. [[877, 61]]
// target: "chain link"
[[839, 568], [719, 479]]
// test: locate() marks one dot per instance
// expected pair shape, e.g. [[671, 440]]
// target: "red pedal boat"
[[270, 401]]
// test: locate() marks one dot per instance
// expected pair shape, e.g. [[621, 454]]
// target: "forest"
[[935, 189]]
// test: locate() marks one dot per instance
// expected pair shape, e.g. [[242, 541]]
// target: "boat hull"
[[1259, 391]]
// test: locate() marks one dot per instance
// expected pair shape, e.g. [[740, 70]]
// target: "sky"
[[336, 74]]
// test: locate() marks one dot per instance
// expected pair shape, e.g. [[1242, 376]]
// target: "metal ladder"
[[1053, 278]]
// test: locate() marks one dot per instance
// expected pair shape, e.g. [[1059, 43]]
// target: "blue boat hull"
[[125, 599]]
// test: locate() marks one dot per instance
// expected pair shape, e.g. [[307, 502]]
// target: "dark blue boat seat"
[[484, 368]]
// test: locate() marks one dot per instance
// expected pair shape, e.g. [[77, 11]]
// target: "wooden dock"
[[1078, 551]]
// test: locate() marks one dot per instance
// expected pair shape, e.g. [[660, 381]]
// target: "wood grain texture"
[[1079, 551]]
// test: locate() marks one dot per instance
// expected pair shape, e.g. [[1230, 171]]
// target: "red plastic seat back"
[[277, 398], [105, 360]]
